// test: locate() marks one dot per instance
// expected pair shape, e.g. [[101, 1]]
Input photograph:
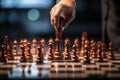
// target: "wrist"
[[67, 2]]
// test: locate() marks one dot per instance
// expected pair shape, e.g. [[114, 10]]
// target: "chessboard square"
[[110, 69], [94, 72], [113, 75]]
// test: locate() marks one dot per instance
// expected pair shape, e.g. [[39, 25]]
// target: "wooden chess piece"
[[74, 57], [76, 43], [57, 53], [82, 50], [15, 45], [9, 52], [10, 45], [103, 50], [21, 44], [27, 46], [42, 42], [99, 55], [86, 58], [3, 56], [34, 47], [50, 49], [93, 53], [110, 54], [91, 47], [29, 49], [66, 53], [23, 58], [40, 55], [5, 45]]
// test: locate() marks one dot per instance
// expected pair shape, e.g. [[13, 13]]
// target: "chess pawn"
[[3, 56], [50, 49], [29, 48], [103, 50], [66, 53], [40, 56], [5, 45], [42, 42], [23, 54], [10, 45], [86, 56], [76, 43], [9, 53], [93, 54], [21, 44], [34, 47], [110, 54], [73, 55], [91, 47], [99, 55], [15, 44]]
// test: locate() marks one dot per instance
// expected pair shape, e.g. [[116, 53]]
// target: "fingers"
[[66, 22], [55, 15]]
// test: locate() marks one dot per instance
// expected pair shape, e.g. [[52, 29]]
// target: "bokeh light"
[[33, 14]]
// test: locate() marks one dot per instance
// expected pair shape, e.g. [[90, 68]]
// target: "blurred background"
[[31, 19]]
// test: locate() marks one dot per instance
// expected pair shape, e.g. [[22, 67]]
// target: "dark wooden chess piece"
[[15, 45], [66, 53], [42, 42], [58, 53], [34, 47], [40, 55], [10, 50], [9, 53], [21, 44], [6, 45], [110, 54], [103, 50], [93, 48], [3, 56], [29, 49], [99, 55], [86, 58], [23, 58], [74, 57], [82, 50], [77, 44], [50, 49]]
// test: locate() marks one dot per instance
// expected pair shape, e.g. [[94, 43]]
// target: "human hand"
[[66, 10]]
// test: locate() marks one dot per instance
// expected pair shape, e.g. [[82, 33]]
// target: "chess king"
[[110, 18]]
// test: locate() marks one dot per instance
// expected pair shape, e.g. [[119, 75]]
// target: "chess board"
[[89, 59], [14, 69]]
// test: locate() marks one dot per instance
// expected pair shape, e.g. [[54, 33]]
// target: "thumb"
[[64, 24]]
